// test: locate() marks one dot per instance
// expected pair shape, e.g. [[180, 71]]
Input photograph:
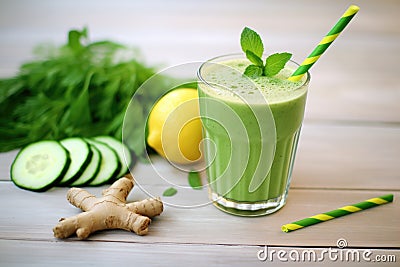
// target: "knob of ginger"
[[108, 212]]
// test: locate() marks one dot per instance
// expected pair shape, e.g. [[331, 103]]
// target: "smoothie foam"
[[232, 84]]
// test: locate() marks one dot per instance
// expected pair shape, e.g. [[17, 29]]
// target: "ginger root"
[[108, 212]]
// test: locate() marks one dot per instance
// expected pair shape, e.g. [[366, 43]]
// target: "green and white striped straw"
[[325, 43], [370, 203]]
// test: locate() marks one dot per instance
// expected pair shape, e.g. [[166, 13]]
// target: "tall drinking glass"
[[251, 128]]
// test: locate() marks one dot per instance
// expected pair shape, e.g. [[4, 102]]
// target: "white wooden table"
[[349, 149]]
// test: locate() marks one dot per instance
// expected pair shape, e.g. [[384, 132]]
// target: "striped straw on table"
[[370, 203], [324, 44]]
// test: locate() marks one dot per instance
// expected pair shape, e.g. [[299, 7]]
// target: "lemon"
[[174, 126]]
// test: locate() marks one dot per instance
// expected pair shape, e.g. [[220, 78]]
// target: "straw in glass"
[[325, 43]]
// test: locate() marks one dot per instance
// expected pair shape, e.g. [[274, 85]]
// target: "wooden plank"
[[45, 253], [31, 216], [329, 156], [351, 157], [6, 160]]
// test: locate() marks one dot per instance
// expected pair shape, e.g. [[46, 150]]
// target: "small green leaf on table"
[[170, 192], [195, 180]]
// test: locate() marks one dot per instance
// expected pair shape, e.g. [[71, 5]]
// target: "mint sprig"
[[253, 47]]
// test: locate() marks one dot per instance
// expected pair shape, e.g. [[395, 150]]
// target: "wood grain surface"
[[349, 149]]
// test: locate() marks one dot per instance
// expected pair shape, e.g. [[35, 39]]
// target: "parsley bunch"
[[79, 89]]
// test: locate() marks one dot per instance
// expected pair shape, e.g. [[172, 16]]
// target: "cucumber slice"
[[39, 166], [80, 154], [122, 150], [109, 166], [91, 170]]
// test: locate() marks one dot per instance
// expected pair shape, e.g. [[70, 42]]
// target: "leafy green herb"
[[253, 71], [253, 47], [79, 89], [250, 40], [170, 192], [74, 38], [274, 63], [254, 58]]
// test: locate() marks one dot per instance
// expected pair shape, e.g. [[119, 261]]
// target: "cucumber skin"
[[102, 138], [52, 184], [117, 170], [83, 167], [113, 177], [57, 181], [75, 177], [94, 175]]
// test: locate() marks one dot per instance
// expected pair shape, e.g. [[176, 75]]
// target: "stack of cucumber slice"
[[70, 162]]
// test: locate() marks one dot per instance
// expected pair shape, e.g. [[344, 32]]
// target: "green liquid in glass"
[[231, 154]]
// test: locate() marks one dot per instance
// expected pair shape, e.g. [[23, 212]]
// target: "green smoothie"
[[252, 134]]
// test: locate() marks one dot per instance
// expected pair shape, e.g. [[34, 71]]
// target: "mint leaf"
[[275, 63], [254, 58], [170, 192], [194, 180], [250, 40], [253, 71]]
